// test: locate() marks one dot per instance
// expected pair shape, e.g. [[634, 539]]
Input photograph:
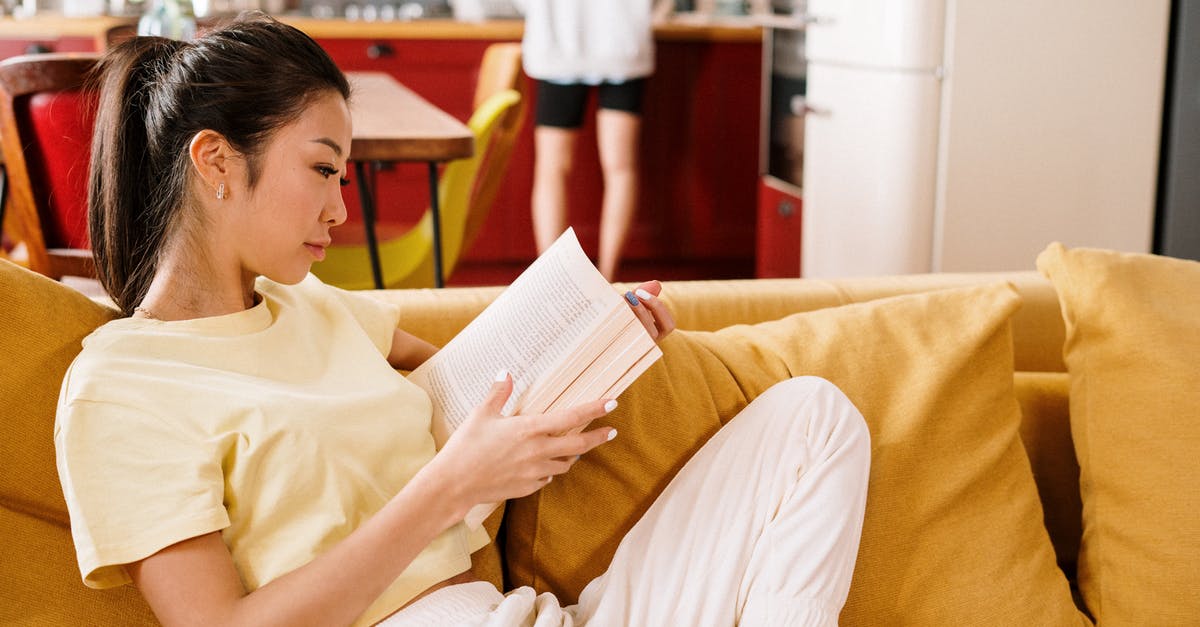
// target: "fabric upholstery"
[[952, 532], [1037, 327], [44, 323], [59, 145], [1046, 434], [1133, 355]]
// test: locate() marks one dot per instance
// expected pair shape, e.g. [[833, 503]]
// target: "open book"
[[561, 330]]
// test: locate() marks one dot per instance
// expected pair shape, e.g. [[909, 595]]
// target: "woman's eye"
[[327, 171], [343, 181]]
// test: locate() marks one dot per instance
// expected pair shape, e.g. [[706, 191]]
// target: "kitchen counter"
[[682, 29]]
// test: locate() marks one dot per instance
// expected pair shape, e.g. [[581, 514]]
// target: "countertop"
[[682, 28]]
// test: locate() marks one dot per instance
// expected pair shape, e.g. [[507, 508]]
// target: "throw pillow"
[[44, 325], [953, 531], [1133, 355]]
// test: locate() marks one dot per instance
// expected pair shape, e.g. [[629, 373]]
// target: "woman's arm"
[[488, 458], [194, 582], [409, 351]]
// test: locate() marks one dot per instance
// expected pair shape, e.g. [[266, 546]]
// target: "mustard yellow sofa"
[[974, 509]]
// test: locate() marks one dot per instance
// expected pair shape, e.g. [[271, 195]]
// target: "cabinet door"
[[877, 33], [778, 237], [870, 155]]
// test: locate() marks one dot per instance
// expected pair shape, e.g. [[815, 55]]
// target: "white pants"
[[760, 527]]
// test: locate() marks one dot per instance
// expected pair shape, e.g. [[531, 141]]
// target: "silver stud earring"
[[221, 191]]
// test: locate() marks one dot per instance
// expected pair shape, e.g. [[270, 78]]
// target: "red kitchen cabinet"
[[698, 156], [778, 242]]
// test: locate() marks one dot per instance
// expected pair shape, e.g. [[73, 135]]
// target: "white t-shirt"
[[587, 40], [282, 426]]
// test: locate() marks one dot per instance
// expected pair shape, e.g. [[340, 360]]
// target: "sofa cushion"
[[1133, 356], [44, 323], [953, 531], [1046, 434]]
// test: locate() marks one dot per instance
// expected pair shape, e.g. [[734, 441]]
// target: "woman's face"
[[298, 196]]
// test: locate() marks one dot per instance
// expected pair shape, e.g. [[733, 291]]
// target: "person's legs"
[[760, 527], [558, 116], [554, 149], [618, 132]]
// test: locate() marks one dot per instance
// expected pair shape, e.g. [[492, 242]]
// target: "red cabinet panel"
[[779, 210]]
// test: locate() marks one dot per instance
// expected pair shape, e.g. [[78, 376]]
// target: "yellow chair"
[[499, 70], [407, 260]]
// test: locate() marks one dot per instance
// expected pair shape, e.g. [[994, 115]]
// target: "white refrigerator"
[[870, 169], [966, 135]]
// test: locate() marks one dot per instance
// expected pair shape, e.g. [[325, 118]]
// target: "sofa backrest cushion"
[[44, 323], [953, 531], [1133, 357]]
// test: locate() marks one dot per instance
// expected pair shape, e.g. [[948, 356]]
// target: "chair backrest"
[[499, 71], [407, 260], [464, 178], [46, 120]]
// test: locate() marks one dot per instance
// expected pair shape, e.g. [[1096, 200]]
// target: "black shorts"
[[563, 105]]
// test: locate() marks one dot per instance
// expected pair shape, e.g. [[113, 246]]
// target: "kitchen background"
[[825, 138]]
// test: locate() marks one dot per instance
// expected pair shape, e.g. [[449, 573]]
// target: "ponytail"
[[126, 224], [243, 81]]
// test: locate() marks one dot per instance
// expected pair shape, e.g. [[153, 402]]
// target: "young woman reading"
[[241, 448]]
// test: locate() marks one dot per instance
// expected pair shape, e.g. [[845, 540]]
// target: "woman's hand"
[[492, 457], [650, 310]]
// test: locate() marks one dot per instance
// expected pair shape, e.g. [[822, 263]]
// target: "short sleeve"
[[134, 485], [378, 319]]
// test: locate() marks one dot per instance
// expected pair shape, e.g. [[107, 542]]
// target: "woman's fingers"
[[663, 320], [501, 389], [643, 314], [650, 310], [572, 419]]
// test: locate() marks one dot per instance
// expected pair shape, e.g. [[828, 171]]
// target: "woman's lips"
[[317, 251]]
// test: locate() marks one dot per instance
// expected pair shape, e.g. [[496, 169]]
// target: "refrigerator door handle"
[[800, 106]]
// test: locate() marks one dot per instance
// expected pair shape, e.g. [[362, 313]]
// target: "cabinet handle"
[[380, 51], [38, 49], [800, 106], [786, 208]]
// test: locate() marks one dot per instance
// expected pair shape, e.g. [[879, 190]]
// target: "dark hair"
[[244, 81]]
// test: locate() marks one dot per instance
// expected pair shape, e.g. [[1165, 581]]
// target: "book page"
[[529, 330]]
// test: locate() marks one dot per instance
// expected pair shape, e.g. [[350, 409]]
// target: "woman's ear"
[[214, 161]]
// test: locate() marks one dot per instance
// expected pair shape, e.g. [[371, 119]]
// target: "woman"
[[241, 448]]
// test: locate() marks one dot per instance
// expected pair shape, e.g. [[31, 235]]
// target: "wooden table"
[[391, 124]]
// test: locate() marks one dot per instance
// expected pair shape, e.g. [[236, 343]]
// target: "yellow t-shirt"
[[282, 426]]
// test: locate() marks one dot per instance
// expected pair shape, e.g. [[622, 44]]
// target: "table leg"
[[366, 197], [438, 280]]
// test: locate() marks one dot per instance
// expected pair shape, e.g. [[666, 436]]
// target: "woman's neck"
[[188, 285]]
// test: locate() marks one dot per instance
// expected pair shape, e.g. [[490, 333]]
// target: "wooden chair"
[[46, 119]]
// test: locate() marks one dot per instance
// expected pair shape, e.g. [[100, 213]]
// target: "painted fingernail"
[[501, 376], [609, 406], [633, 301], [612, 434], [643, 294]]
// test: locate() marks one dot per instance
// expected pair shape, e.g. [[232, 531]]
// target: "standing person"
[[241, 448], [570, 46]]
